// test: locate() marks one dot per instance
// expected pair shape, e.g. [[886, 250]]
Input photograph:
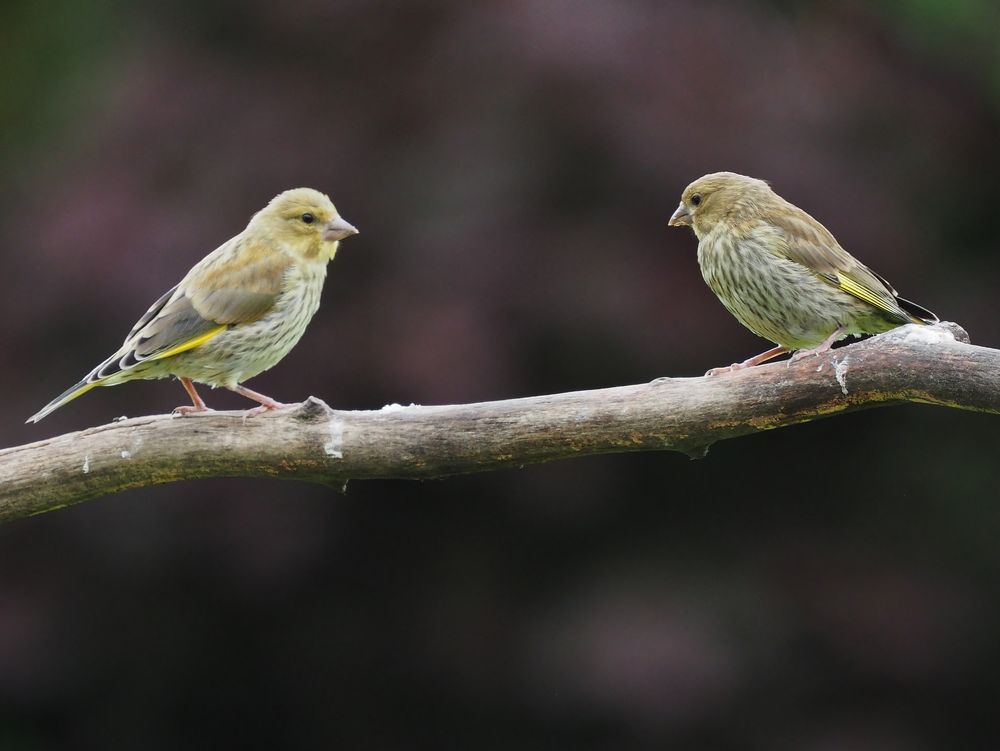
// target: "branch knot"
[[311, 410]]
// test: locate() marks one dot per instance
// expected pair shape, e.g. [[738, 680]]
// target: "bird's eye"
[[308, 218], [696, 199]]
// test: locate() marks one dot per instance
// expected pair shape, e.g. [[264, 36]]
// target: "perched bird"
[[781, 273], [238, 311]]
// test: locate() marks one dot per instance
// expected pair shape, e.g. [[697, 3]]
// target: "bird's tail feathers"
[[67, 396]]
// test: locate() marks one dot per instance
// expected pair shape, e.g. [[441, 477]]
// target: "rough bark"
[[926, 364]]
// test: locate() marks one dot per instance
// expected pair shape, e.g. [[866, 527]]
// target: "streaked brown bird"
[[781, 273], [238, 311]]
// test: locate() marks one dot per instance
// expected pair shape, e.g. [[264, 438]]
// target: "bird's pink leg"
[[824, 347], [266, 402], [749, 363], [199, 405]]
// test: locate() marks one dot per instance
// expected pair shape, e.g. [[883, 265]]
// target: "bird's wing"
[[238, 286], [810, 244], [226, 288]]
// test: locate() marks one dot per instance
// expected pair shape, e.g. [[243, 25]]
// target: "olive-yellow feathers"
[[782, 273], [238, 311]]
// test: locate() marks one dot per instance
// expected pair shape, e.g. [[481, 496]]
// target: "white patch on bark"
[[840, 373], [334, 447], [86, 464], [914, 332], [394, 407]]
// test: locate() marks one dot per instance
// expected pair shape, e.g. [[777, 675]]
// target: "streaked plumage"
[[781, 273], [238, 311]]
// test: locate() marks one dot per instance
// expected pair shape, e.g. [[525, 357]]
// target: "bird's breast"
[[771, 295], [246, 349]]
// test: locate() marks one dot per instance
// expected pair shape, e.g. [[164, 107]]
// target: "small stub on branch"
[[311, 409], [959, 334]]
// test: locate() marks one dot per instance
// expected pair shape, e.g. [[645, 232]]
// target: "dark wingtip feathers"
[[918, 313]]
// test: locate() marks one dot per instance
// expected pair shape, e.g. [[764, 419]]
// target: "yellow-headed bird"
[[238, 311]]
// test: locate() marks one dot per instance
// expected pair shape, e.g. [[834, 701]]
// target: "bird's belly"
[[245, 350], [778, 299]]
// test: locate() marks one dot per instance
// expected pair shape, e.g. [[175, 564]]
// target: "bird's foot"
[[816, 351], [727, 369], [802, 354], [190, 409], [750, 361], [266, 403], [271, 405], [197, 405]]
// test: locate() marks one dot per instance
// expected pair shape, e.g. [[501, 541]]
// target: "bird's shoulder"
[[238, 282], [803, 239], [255, 264]]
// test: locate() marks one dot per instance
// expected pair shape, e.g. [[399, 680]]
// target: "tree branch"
[[926, 364]]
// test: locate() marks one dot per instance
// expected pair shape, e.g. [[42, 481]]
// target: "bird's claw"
[[802, 354], [189, 409], [726, 369], [253, 412]]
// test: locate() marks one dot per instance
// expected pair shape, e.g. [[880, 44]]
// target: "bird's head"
[[306, 222], [710, 198]]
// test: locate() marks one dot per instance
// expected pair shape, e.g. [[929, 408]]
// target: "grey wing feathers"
[[171, 321], [155, 308]]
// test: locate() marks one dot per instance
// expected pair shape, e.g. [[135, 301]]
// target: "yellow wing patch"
[[862, 292], [190, 343]]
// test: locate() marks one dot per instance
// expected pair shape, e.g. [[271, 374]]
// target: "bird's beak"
[[338, 229], [681, 217]]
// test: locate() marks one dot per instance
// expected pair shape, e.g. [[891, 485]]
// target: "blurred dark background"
[[511, 165]]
